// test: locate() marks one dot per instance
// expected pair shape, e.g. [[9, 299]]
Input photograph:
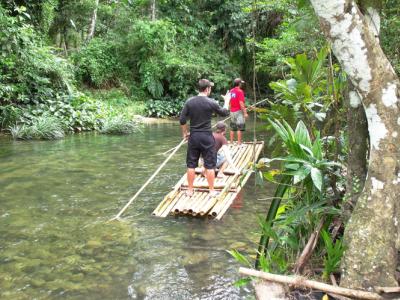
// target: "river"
[[56, 198]]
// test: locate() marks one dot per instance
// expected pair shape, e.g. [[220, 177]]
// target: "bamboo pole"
[[229, 203], [239, 188], [176, 209], [194, 210], [305, 283], [168, 209], [171, 195], [221, 201], [220, 205], [148, 181], [169, 205], [222, 210], [188, 205]]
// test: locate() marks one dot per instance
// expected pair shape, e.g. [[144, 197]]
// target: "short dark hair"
[[220, 127], [238, 81], [203, 84]]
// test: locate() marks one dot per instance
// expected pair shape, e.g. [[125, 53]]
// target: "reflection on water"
[[55, 241]]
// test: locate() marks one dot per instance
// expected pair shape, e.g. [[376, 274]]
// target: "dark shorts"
[[201, 143], [237, 121]]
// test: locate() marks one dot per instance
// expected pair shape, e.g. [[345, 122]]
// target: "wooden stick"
[[305, 283], [148, 181], [308, 249], [387, 290]]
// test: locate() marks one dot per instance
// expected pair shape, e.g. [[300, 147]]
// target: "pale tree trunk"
[[93, 20], [372, 233], [357, 124], [153, 10], [358, 148]]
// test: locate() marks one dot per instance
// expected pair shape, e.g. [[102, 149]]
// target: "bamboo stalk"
[[177, 207], [228, 204], [184, 188], [205, 185], [221, 198], [167, 199], [197, 204], [305, 283], [208, 205], [168, 209], [239, 188], [220, 205], [171, 208], [189, 203]]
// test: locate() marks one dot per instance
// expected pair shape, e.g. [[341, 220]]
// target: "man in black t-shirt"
[[199, 110]]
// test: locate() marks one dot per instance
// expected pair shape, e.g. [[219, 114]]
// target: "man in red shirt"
[[238, 110]]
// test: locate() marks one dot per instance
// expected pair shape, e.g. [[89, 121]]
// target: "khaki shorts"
[[237, 121]]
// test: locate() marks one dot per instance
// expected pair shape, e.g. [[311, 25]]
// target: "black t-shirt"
[[199, 110]]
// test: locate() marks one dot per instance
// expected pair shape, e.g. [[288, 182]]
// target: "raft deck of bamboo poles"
[[200, 204]]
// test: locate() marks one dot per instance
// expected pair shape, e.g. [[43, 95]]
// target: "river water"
[[55, 242]]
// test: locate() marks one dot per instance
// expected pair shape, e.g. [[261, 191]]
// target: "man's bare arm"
[[185, 131], [243, 108]]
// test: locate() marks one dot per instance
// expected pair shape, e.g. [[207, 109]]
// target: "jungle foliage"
[[48, 52]]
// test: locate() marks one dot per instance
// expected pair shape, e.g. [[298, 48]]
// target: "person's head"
[[204, 86], [238, 82], [220, 127]]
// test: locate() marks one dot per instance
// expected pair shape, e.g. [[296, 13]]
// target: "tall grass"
[[119, 124], [45, 127]]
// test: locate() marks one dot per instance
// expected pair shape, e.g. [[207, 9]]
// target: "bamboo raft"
[[200, 204]]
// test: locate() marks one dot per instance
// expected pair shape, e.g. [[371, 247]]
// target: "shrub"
[[9, 114], [45, 127], [118, 125], [78, 113], [163, 108]]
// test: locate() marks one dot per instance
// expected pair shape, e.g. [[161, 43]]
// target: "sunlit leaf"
[[316, 176]]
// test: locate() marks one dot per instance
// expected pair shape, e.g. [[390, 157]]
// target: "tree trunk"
[[93, 20], [153, 10], [372, 233], [358, 150]]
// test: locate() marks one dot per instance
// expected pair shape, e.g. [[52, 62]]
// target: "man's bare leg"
[[231, 135], [191, 174], [210, 175], [239, 135]]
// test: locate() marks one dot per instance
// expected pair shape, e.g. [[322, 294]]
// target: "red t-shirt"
[[237, 96]]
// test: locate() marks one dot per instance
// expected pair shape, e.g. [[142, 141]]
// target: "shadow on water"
[[55, 242]]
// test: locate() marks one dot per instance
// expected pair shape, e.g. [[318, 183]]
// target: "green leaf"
[[316, 176], [265, 264], [239, 257], [242, 282], [302, 135]]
